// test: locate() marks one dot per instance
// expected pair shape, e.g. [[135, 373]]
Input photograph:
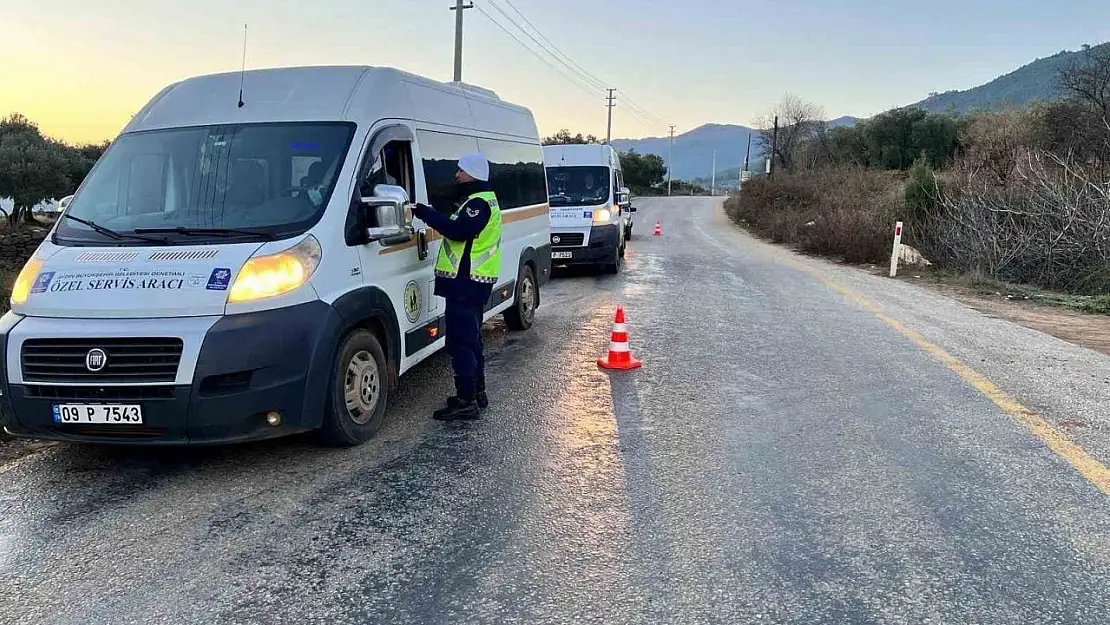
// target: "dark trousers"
[[464, 343]]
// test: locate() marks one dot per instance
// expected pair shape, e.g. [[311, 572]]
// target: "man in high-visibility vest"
[[467, 268]]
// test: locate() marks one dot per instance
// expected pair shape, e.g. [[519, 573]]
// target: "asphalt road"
[[784, 456]]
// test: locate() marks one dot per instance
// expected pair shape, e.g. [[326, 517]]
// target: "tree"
[[642, 172], [848, 145], [32, 168], [799, 122], [563, 137], [31, 171], [1087, 79], [1086, 122]]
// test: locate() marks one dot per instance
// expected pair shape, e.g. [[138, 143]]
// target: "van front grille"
[[567, 239], [99, 393], [127, 360]]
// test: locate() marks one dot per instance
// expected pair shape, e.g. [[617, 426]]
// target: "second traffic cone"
[[658, 228], [619, 357]]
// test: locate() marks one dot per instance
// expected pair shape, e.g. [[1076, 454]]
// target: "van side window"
[[440, 153], [516, 172], [393, 166]]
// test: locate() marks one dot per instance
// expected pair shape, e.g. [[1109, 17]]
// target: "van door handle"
[[422, 243]]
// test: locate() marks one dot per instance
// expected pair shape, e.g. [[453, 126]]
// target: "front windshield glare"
[[578, 186], [275, 178]]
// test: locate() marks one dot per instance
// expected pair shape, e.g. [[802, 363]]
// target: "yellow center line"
[[1057, 441]]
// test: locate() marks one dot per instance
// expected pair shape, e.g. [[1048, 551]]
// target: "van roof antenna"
[[243, 68]]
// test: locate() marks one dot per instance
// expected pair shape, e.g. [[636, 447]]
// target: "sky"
[[81, 68]]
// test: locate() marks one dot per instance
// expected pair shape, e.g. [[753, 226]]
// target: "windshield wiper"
[[218, 232], [108, 232]]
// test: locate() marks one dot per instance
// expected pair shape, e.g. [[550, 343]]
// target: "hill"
[[693, 151], [1029, 83]]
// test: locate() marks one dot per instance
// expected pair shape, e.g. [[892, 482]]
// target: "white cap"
[[476, 165]]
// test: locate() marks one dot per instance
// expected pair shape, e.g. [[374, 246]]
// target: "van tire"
[[614, 266], [519, 318], [361, 371]]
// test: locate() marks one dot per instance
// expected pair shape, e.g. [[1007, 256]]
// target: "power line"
[[555, 51], [646, 113], [581, 70], [568, 78], [586, 78], [641, 115], [578, 75]]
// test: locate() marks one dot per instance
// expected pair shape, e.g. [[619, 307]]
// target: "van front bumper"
[[602, 246], [249, 366]]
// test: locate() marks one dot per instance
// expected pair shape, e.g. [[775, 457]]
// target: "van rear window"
[[516, 169]]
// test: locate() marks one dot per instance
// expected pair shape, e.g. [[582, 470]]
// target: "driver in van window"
[[313, 182], [592, 190], [379, 172]]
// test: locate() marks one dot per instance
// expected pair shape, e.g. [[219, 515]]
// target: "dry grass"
[[846, 213]]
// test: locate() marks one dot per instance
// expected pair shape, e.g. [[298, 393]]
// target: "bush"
[[922, 191], [1046, 224], [842, 212]]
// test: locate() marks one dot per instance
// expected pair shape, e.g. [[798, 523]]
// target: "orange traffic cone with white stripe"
[[658, 229], [619, 357]]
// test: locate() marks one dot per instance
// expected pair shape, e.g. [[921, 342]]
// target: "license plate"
[[562, 255], [98, 413]]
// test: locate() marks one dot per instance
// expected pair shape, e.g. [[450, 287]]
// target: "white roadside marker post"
[[897, 249]]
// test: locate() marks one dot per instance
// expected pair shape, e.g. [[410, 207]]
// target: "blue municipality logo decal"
[[42, 282], [587, 215], [219, 280]]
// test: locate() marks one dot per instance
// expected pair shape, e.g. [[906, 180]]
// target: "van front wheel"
[[356, 403], [614, 266], [520, 317]]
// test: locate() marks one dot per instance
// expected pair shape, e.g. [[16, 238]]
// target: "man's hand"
[[419, 210]]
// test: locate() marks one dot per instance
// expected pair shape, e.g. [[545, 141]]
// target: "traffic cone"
[[658, 229], [619, 357]]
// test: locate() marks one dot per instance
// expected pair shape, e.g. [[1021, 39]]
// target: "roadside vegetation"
[[1017, 196]]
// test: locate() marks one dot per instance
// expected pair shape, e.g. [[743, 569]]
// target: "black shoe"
[[458, 410], [483, 399], [480, 397]]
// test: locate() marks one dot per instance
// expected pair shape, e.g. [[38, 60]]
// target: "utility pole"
[[670, 161], [774, 149], [713, 184], [610, 103], [458, 9], [748, 153]]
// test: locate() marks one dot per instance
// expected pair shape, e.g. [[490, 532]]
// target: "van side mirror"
[[624, 197], [387, 215], [64, 203]]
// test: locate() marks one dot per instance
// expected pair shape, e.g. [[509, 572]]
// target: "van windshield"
[[578, 186], [273, 180]]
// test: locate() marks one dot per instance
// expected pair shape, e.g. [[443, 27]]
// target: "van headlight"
[[276, 274], [24, 281], [603, 216]]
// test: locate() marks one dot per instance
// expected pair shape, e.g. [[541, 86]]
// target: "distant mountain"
[[847, 121], [1029, 83], [693, 150]]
